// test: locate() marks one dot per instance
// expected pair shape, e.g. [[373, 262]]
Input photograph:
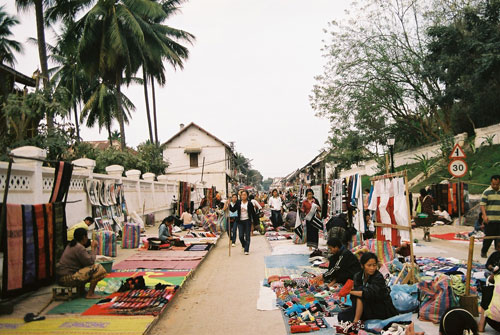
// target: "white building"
[[198, 157]]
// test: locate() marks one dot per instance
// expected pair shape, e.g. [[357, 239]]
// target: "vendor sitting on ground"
[[165, 233], [77, 267], [343, 264], [442, 215], [370, 296], [291, 217], [82, 224]]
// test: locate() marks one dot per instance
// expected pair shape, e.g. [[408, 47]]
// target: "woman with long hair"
[[246, 215], [308, 205], [233, 217], [77, 266], [370, 296]]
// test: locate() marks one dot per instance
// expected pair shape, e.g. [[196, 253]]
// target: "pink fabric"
[[57, 182], [15, 246], [152, 264], [50, 234]]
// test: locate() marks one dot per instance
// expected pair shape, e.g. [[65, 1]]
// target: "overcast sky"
[[247, 80]]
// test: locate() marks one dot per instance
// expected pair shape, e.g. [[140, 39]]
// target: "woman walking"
[[310, 208], [246, 215], [233, 217], [276, 206]]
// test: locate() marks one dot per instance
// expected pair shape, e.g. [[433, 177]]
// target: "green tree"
[[375, 80], [114, 34], [163, 45], [153, 155], [8, 45], [102, 107], [68, 76], [463, 55]]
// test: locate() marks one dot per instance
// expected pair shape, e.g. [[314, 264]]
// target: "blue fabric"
[[287, 261], [378, 325], [29, 273]]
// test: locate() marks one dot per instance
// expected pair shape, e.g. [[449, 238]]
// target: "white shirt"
[[275, 203], [244, 211], [444, 214], [255, 203]]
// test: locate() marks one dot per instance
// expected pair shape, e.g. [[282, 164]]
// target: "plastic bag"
[[377, 325], [405, 297]]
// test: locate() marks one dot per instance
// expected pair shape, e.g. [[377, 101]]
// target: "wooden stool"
[[470, 303], [62, 293]]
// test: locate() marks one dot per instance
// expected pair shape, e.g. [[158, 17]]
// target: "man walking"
[[490, 209]]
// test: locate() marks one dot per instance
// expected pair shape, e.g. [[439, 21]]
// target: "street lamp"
[[390, 143]]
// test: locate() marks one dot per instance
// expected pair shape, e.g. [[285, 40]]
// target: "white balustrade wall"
[[31, 183]]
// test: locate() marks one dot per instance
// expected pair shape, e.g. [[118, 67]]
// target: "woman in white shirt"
[[246, 215], [276, 206], [443, 215]]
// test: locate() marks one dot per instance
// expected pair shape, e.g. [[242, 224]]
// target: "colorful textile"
[[62, 181], [437, 296], [41, 241], [383, 249], [135, 302], [29, 277], [131, 235], [30, 247], [13, 257], [60, 229], [106, 243], [132, 325]]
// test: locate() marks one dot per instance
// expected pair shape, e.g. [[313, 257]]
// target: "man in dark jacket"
[[343, 264]]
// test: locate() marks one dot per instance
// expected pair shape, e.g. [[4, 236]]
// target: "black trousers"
[[490, 229]]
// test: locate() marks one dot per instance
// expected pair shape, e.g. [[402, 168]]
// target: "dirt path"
[[222, 296]]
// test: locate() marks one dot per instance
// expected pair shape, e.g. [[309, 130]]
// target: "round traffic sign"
[[458, 168]]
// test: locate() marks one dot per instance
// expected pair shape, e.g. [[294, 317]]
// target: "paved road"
[[221, 297]]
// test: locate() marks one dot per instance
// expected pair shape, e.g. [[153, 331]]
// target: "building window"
[[193, 160]]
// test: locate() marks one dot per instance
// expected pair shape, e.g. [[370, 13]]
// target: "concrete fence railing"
[[31, 183]]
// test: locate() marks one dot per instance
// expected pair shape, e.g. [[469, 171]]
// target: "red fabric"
[[306, 206], [346, 289], [15, 246], [163, 264], [144, 273], [300, 329], [50, 234], [454, 199], [57, 182], [40, 224], [394, 232]]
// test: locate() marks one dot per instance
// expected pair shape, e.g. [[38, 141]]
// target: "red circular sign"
[[458, 168]]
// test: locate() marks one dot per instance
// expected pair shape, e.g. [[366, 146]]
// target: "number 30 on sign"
[[458, 168]]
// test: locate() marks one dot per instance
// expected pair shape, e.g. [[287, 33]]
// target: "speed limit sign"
[[457, 168]]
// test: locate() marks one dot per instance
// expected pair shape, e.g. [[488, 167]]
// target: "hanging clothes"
[[401, 208], [358, 203], [62, 181]]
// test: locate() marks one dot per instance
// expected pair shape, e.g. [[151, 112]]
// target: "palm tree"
[[163, 45], [42, 48], [102, 107], [68, 75], [113, 43], [7, 46]]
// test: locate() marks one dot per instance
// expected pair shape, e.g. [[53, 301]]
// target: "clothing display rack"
[[411, 268], [32, 237]]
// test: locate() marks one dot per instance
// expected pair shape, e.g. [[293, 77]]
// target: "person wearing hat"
[[82, 224]]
